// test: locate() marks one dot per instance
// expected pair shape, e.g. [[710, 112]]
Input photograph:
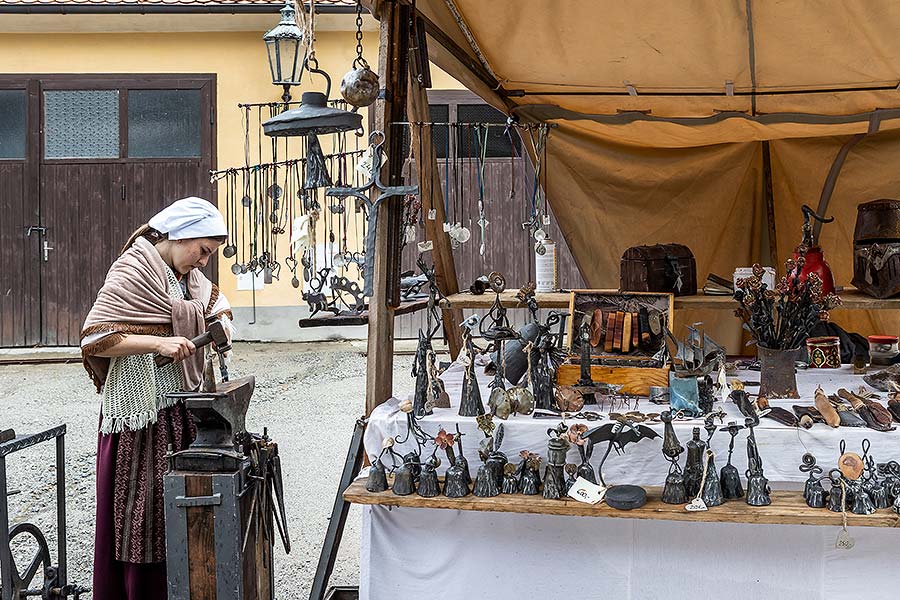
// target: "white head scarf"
[[189, 218]]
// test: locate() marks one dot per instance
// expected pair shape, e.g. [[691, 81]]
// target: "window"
[[498, 143], [81, 124], [12, 124], [163, 123], [440, 134]]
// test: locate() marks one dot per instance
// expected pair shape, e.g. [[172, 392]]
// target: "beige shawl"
[[135, 299]]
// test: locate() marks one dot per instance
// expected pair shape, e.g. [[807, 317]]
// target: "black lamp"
[[283, 46]]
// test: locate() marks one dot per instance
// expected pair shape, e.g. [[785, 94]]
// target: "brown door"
[[20, 232], [102, 155], [114, 152]]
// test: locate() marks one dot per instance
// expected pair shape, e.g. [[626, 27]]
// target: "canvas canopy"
[[663, 110]]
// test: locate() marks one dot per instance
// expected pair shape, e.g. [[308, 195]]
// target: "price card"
[[696, 505], [587, 492]]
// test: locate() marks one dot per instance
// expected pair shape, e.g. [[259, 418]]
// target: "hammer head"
[[219, 338]]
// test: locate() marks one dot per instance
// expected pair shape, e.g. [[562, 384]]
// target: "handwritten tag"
[[546, 219], [844, 541], [696, 505], [425, 246], [447, 227], [587, 492], [432, 214]]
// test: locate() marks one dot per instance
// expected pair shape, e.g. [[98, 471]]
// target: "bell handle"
[[313, 65]]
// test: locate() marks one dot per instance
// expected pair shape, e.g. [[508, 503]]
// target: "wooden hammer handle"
[[201, 340]]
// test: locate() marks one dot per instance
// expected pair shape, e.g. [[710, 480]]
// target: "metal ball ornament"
[[359, 87]]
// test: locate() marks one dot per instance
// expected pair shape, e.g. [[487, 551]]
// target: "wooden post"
[[770, 204], [393, 56], [432, 198]]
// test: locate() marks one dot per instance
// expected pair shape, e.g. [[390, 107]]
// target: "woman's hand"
[[179, 348]]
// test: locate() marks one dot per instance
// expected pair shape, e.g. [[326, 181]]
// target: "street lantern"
[[283, 46]]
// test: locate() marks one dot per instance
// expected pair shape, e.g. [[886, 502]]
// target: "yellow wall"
[[239, 61]]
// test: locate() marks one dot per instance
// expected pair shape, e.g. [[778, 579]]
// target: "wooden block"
[[626, 333], [787, 508], [610, 331], [635, 337], [596, 327], [634, 380], [617, 332]]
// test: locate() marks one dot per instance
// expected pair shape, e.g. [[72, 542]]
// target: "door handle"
[[47, 249]]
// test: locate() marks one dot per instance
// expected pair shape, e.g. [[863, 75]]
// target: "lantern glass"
[[283, 44]]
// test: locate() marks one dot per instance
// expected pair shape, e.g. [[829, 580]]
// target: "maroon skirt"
[[130, 543]]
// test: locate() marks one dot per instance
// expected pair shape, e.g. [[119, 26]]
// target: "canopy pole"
[[433, 200], [770, 203], [393, 55]]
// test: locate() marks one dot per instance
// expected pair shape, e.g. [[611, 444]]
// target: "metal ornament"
[[510, 480], [377, 479], [693, 469], [557, 446], [428, 479], [470, 404], [674, 491], [730, 478], [711, 492], [757, 485], [359, 87], [813, 492], [361, 193]]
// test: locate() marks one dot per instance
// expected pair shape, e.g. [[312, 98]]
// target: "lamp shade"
[[283, 47], [313, 116]]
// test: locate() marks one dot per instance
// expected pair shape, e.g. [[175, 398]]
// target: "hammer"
[[215, 333]]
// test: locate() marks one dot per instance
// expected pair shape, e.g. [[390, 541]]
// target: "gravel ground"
[[308, 395]]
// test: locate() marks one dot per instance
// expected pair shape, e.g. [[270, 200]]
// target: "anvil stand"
[[222, 496]]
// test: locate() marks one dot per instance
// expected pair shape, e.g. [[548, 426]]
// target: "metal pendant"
[[275, 191], [246, 201], [359, 86], [236, 268], [229, 250]]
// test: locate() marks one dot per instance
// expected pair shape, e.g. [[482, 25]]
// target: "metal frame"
[[15, 445]]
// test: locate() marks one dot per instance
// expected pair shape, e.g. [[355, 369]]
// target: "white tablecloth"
[[780, 447], [412, 554], [421, 553]]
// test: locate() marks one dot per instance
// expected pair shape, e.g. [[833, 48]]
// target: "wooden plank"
[[392, 61], [787, 508], [201, 541], [333, 320], [851, 297], [433, 199]]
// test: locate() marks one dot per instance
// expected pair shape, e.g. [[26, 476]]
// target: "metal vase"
[[777, 376]]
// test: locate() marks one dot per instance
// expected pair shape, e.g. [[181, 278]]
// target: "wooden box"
[[667, 268], [614, 359]]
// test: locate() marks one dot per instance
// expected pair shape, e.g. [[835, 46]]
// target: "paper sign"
[[587, 492], [425, 246], [697, 504], [844, 541]]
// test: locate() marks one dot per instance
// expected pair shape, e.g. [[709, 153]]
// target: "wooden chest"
[[876, 248], [665, 268]]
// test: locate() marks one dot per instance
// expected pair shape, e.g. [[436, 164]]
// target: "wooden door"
[[114, 153], [19, 216]]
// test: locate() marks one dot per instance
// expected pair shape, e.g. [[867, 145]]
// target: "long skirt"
[[130, 544]]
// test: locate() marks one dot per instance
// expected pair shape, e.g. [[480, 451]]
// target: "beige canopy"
[[666, 112]]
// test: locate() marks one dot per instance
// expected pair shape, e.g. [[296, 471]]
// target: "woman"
[[154, 300]]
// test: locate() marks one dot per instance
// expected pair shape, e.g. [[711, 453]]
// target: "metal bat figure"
[[618, 434]]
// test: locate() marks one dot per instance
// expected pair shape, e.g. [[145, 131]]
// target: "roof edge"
[[108, 9]]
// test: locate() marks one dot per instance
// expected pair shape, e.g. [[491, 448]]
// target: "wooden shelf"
[[328, 319], [787, 508], [853, 299]]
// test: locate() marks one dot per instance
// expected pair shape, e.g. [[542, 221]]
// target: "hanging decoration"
[[359, 87]]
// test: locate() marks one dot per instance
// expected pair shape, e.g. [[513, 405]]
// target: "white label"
[[432, 214], [844, 541], [425, 246], [246, 281], [587, 492], [545, 268], [447, 227], [546, 219], [696, 505]]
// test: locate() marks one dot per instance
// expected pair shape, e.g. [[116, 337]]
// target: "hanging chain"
[[359, 61]]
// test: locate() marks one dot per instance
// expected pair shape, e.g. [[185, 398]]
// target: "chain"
[[359, 36]]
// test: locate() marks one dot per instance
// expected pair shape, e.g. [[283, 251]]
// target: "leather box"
[[876, 248], [664, 268]]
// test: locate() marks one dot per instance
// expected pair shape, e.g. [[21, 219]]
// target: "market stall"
[[479, 481]]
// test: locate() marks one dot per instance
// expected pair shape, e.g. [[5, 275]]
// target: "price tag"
[[546, 219], [447, 227], [425, 246], [432, 214], [696, 505], [587, 492], [844, 541]]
